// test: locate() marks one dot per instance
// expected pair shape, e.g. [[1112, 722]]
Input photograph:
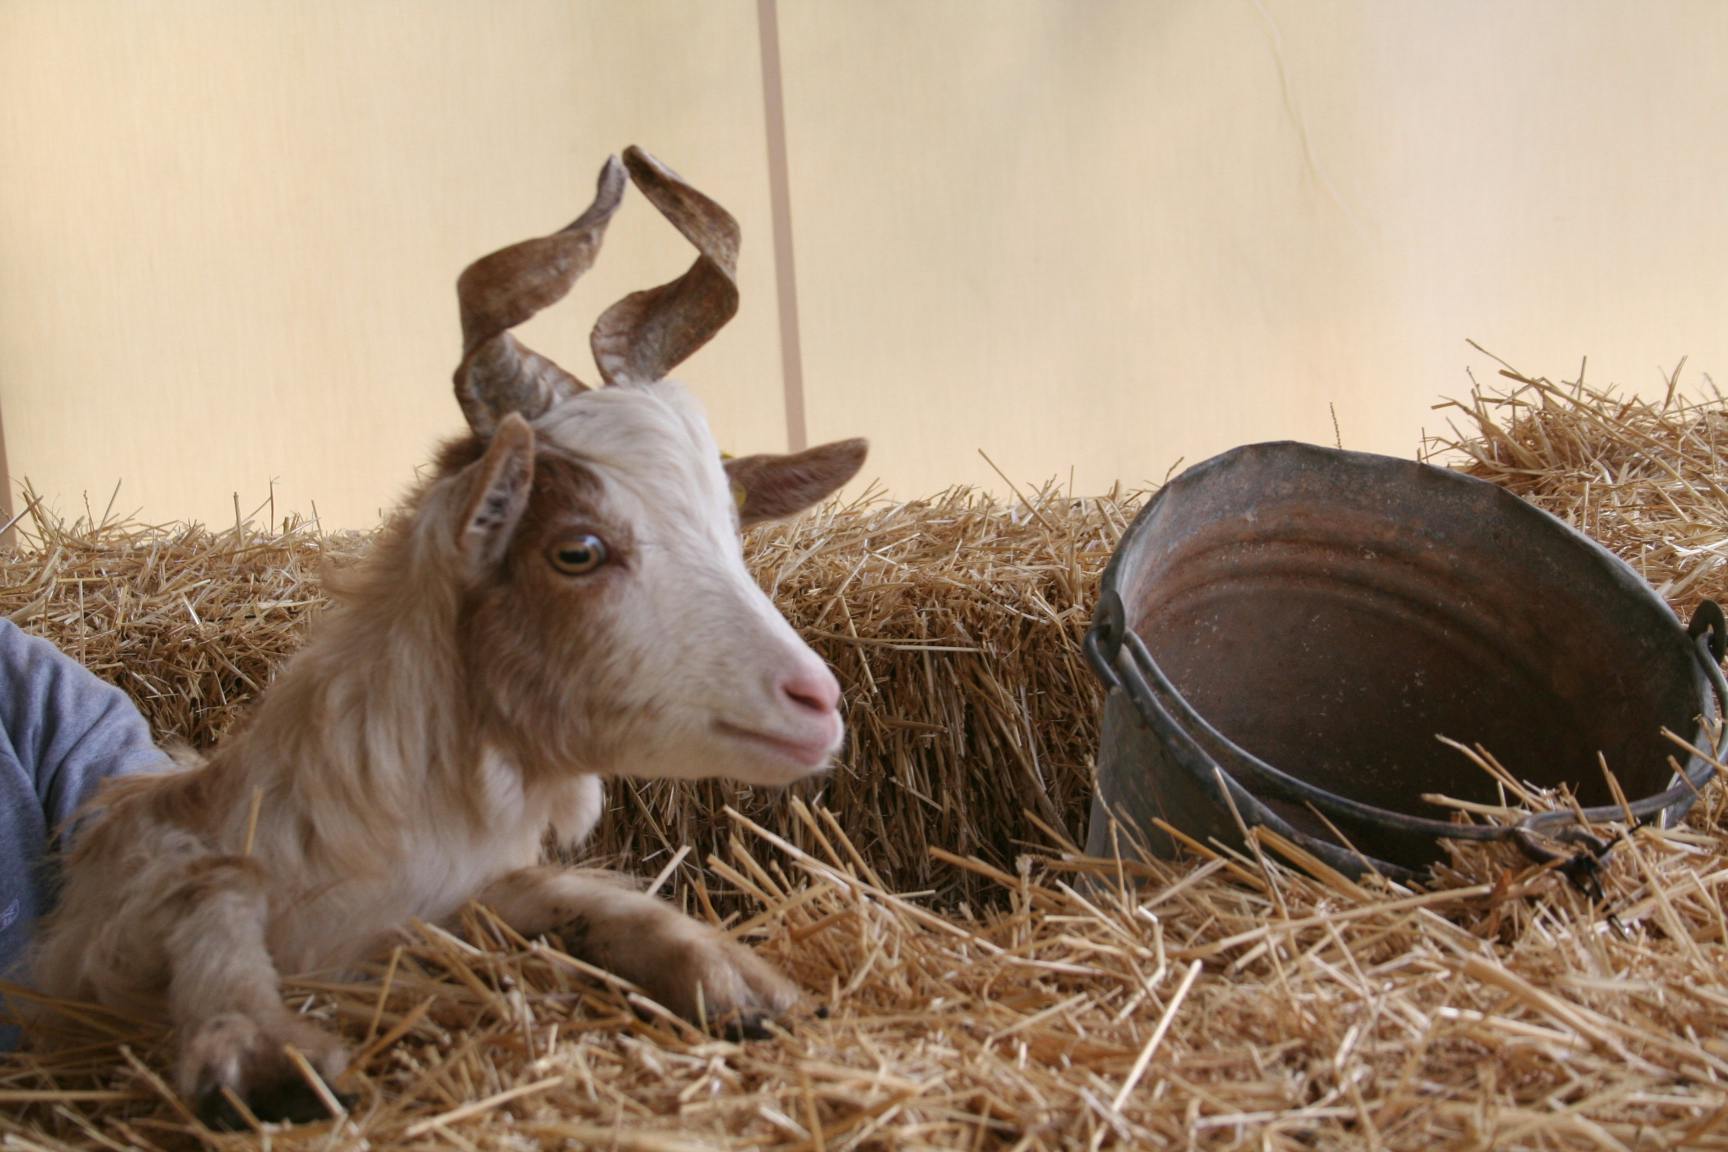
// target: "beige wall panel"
[[1108, 235], [1099, 236], [229, 232]]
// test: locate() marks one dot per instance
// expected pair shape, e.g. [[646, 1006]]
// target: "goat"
[[565, 598]]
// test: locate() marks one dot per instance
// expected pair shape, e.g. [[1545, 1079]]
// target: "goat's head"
[[608, 622]]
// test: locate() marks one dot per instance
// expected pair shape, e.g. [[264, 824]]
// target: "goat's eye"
[[579, 556]]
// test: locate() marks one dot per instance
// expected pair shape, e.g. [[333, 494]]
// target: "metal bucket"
[[1286, 630]]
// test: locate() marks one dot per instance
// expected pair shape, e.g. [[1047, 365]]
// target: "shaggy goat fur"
[[564, 599]]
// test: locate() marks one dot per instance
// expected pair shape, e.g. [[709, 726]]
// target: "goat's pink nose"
[[814, 688]]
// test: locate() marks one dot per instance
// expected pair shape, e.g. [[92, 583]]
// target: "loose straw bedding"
[[984, 986]]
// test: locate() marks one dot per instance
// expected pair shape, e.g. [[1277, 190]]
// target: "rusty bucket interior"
[[1310, 622]]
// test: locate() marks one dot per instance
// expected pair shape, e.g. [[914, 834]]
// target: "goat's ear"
[[770, 487], [502, 481]]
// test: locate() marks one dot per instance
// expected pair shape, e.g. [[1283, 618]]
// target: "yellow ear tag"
[[739, 495]]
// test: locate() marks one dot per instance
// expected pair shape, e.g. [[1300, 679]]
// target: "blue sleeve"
[[62, 732], [66, 729]]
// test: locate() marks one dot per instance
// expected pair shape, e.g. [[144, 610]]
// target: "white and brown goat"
[[565, 599]]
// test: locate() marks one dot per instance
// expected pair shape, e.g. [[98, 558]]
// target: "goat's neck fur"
[[373, 787], [368, 715]]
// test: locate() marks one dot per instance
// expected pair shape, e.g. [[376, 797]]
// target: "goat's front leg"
[[226, 1002], [691, 968]]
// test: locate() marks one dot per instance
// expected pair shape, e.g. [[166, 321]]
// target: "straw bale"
[[1644, 477], [190, 621], [954, 622], [1223, 1001]]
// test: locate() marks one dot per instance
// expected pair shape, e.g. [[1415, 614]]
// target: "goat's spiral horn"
[[648, 333], [498, 375]]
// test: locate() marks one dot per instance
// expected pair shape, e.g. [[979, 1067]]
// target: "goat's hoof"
[[291, 1100], [756, 1027], [233, 1056], [736, 991], [741, 1028]]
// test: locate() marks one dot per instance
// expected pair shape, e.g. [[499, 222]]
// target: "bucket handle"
[[1122, 662], [1145, 685]]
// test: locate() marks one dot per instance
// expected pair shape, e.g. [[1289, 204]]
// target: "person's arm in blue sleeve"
[[62, 732]]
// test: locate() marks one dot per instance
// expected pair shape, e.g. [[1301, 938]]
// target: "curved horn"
[[497, 292], [648, 333]]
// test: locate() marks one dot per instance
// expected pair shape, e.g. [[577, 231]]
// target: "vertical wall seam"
[[780, 207], [8, 536]]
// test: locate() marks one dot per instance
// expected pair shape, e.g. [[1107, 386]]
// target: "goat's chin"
[[768, 773], [793, 754], [727, 751]]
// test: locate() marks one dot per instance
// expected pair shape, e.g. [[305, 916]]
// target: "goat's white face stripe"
[[719, 652]]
